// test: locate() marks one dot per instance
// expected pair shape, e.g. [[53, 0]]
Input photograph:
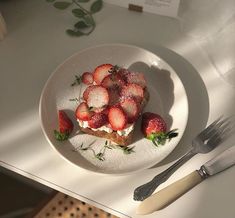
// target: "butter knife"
[[172, 192]]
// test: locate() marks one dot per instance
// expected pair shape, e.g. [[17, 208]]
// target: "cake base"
[[113, 136]]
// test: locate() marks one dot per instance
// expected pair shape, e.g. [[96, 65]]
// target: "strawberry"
[[134, 91], [117, 118], [113, 81], [136, 78], [154, 128], [98, 97], [87, 78], [131, 109], [114, 96], [123, 73], [98, 120], [86, 92], [101, 72], [83, 112], [65, 126]]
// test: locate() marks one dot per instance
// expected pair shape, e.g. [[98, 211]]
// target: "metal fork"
[[203, 143]]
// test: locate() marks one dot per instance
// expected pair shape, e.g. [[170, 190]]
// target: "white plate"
[[167, 98]]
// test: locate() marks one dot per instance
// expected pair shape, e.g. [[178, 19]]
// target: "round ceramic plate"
[[167, 98]]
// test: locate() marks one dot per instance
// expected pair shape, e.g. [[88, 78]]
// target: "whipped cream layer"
[[108, 129]]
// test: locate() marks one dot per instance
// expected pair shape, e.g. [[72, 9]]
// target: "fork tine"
[[221, 131], [208, 129]]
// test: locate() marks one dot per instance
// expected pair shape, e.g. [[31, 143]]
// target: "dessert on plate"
[[113, 100]]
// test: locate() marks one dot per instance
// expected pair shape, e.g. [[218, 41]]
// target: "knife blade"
[[172, 192]]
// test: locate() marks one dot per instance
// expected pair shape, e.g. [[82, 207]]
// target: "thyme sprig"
[[74, 99], [77, 81], [100, 155]]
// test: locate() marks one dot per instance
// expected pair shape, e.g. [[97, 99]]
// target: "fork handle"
[[147, 189], [169, 194]]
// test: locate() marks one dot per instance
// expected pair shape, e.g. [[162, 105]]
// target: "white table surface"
[[36, 43]]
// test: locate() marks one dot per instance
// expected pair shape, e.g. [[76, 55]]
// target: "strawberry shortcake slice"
[[111, 103]]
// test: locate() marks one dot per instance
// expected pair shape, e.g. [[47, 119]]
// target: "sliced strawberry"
[[83, 112], [98, 120], [101, 72], [114, 96], [123, 73], [65, 126], [117, 118], [136, 78], [113, 81], [87, 78], [86, 92], [134, 91], [131, 109], [98, 97]]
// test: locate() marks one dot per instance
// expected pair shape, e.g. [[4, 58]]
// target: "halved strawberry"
[[136, 78], [131, 109], [83, 112], [98, 120], [114, 96], [65, 126], [86, 92], [123, 73], [87, 78], [99, 109], [101, 72], [113, 81], [134, 91], [98, 97], [154, 128], [117, 118]]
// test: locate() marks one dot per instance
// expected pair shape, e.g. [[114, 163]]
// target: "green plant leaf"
[[83, 1], [81, 25], [96, 6], [74, 32], [62, 5], [88, 20], [78, 12], [50, 0]]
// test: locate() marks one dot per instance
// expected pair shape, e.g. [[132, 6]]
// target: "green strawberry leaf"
[[160, 138], [61, 136]]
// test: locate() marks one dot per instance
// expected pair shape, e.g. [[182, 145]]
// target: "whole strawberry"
[[154, 128], [65, 126]]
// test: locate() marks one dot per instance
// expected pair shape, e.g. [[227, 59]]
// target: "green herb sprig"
[[77, 81], [85, 21], [100, 155]]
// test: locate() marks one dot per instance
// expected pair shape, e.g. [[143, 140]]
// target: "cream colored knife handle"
[[169, 194]]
